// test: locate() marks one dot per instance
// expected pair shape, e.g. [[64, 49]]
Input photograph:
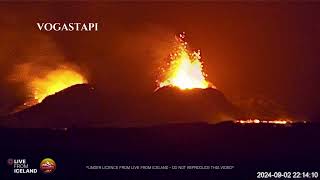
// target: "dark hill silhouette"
[[209, 105], [74, 105], [82, 106]]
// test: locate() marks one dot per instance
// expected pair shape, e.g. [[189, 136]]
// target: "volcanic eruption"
[[184, 94], [185, 69], [46, 82], [55, 81], [185, 72]]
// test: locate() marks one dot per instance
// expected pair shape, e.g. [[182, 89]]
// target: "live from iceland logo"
[[21, 166]]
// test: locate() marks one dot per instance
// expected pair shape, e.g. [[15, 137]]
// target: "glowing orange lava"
[[185, 70], [53, 82], [257, 121]]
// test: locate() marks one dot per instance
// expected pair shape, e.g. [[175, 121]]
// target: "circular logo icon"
[[48, 165], [10, 161]]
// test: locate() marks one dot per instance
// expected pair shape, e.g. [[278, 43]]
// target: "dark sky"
[[249, 49]]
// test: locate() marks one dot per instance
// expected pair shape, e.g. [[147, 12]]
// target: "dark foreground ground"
[[246, 149]]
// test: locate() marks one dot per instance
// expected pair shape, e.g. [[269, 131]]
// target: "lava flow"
[[185, 69], [257, 121], [53, 82]]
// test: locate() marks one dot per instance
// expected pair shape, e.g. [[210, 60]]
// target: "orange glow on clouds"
[[55, 81]]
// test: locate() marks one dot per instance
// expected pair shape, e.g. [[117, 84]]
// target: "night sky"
[[250, 50]]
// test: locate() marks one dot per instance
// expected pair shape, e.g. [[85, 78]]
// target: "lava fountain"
[[185, 69]]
